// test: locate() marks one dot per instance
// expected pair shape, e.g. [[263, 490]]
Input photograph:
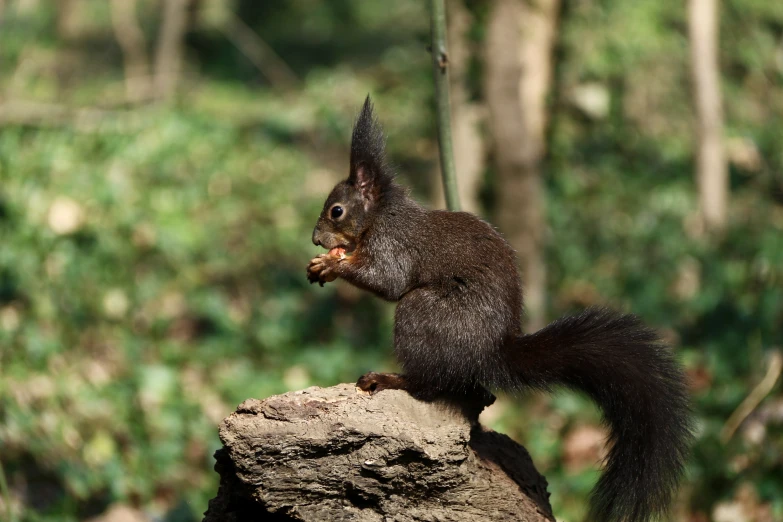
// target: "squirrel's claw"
[[321, 269]]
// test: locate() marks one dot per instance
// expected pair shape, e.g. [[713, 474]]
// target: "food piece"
[[338, 252]]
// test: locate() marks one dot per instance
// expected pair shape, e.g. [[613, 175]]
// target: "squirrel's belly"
[[433, 332]]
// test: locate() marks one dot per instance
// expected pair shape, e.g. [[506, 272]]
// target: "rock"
[[338, 454]]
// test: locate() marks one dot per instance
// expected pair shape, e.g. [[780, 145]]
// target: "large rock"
[[334, 454]]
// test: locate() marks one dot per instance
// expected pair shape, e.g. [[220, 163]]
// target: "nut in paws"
[[321, 269]]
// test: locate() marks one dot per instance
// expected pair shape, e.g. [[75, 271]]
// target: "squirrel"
[[458, 334]]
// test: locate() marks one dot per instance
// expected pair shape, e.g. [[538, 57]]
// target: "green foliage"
[[176, 293], [152, 261]]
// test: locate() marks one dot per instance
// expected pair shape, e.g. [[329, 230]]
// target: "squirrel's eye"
[[337, 211]]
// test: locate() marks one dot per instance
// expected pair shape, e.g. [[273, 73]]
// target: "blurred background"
[[163, 162]]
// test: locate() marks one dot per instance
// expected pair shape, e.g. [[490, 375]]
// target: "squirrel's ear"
[[369, 172]]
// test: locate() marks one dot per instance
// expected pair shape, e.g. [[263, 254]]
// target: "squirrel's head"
[[353, 203]]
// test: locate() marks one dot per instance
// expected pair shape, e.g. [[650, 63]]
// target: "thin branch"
[[255, 49], [440, 63], [754, 399], [131, 39]]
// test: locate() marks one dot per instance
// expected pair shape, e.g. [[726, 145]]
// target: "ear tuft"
[[369, 171]]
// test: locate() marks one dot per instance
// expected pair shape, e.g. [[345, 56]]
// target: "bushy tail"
[[626, 369]]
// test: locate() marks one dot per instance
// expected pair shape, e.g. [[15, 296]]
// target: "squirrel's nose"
[[316, 238]]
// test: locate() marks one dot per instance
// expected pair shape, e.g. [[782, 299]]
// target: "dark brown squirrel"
[[457, 331]]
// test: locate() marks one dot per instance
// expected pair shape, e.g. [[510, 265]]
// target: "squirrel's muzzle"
[[323, 238]]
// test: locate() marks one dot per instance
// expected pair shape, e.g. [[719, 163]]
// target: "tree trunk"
[[27, 6], [171, 48], [194, 14], [711, 169], [69, 19], [134, 53], [339, 454], [519, 44]]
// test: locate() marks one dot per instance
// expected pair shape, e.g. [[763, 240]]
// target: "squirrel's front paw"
[[321, 269]]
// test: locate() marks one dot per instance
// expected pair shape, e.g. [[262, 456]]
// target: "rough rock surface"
[[337, 454]]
